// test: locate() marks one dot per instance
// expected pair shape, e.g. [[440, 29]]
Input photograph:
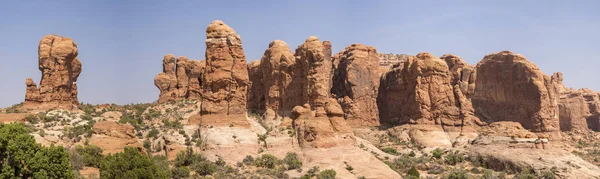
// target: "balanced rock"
[[225, 79], [60, 67], [355, 84], [510, 88]]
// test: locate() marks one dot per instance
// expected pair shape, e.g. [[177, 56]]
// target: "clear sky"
[[121, 43]]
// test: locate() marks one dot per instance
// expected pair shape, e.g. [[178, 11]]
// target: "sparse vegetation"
[[390, 150]]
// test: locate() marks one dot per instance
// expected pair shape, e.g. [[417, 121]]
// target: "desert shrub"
[[76, 159], [292, 161], [248, 160], [153, 133], [452, 158], [204, 168], [147, 145], [549, 174], [32, 119], [327, 174], [172, 125], [130, 163], [162, 162], [22, 157], [524, 174], [220, 162], [91, 154], [437, 153], [413, 172], [266, 161], [390, 150], [436, 169], [488, 174], [412, 154], [311, 173], [457, 174], [349, 167]]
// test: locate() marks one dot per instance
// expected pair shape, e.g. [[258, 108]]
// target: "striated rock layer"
[[421, 91], [510, 88], [60, 67], [225, 79], [180, 79], [355, 84], [579, 109]]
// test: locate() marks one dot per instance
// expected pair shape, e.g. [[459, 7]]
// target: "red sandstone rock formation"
[[510, 88], [322, 131], [420, 91], [60, 69], [578, 109], [225, 79], [355, 84], [180, 79]]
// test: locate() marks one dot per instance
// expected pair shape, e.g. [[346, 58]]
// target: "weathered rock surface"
[[355, 84], [256, 97], [578, 109], [225, 79], [420, 91], [323, 131], [461, 73], [275, 67], [180, 79], [60, 67], [510, 88], [113, 137]]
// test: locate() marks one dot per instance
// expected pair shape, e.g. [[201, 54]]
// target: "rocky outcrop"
[[578, 109], [322, 131], [461, 73], [275, 66], [180, 79], [420, 91], [355, 84], [510, 88], [60, 67], [225, 79], [113, 137]]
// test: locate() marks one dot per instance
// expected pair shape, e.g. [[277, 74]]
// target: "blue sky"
[[121, 43]]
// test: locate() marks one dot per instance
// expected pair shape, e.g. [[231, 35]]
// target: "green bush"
[[453, 158], [153, 133], [180, 172], [488, 174], [204, 168], [437, 153], [412, 154], [22, 157], [413, 172], [91, 154], [292, 161], [524, 174], [310, 173], [327, 174], [457, 174], [130, 163], [266, 161], [390, 150], [32, 119]]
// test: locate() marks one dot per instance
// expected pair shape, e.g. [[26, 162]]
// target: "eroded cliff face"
[[421, 92], [579, 109], [60, 67], [356, 84], [510, 88]]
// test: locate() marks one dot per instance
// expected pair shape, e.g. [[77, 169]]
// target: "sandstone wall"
[[510, 88], [180, 79], [356, 83]]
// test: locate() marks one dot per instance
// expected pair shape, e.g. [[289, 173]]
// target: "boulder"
[[508, 87], [60, 67], [113, 137], [355, 84]]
